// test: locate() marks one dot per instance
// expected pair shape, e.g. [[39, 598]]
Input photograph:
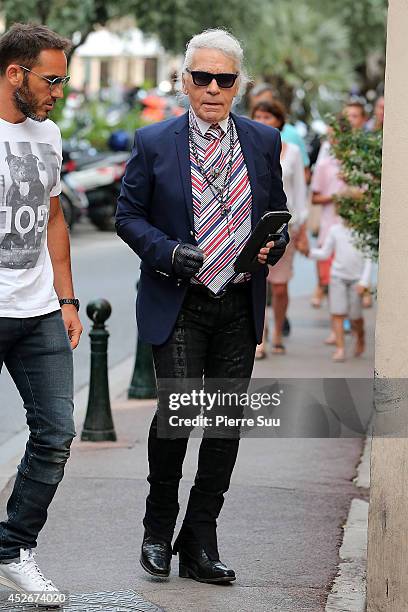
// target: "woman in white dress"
[[294, 184]]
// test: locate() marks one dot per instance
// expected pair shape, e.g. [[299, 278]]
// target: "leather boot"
[[155, 557], [195, 563]]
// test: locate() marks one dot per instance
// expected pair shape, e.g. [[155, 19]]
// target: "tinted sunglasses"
[[225, 80], [53, 83]]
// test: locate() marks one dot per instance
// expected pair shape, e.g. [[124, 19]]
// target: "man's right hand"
[[187, 260]]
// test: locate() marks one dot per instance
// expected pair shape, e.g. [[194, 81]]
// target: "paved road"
[[103, 266]]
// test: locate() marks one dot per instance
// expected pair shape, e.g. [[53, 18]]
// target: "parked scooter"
[[100, 182], [74, 202]]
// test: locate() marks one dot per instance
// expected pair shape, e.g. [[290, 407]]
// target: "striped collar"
[[203, 126]]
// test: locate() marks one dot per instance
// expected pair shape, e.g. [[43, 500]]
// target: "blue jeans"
[[38, 355]]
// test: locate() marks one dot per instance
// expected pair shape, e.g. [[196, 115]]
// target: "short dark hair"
[[274, 107], [23, 43], [359, 105]]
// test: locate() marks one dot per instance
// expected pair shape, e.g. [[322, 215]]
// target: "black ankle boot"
[[195, 563], [156, 556]]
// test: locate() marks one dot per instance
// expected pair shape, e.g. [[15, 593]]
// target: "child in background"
[[326, 183], [349, 277]]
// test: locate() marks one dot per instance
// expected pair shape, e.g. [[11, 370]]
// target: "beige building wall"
[[84, 70], [95, 74], [388, 512], [123, 71], [118, 73], [77, 72], [392, 317], [138, 71]]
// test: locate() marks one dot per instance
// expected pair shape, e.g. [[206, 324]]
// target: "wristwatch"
[[72, 301]]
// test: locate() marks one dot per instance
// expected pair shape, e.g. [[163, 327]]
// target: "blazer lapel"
[[249, 152], [183, 154]]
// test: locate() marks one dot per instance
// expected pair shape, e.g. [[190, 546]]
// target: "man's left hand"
[[272, 251], [72, 324]]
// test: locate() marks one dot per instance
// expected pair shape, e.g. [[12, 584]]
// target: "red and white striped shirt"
[[220, 237]]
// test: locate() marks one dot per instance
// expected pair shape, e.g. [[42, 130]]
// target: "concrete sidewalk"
[[306, 354], [281, 526]]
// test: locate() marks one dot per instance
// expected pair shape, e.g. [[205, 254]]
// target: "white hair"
[[223, 41]]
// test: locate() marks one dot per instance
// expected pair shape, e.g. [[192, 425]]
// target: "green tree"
[[360, 155], [311, 51], [291, 47], [175, 21], [67, 17], [365, 22], [286, 43]]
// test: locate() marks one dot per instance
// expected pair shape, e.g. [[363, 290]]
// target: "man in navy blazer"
[[194, 188]]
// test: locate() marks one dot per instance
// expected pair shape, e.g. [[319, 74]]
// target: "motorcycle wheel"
[[102, 207], [104, 224]]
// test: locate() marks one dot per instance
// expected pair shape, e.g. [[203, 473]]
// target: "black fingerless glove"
[[187, 260], [277, 251]]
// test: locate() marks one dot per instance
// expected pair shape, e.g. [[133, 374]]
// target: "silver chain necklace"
[[221, 194]]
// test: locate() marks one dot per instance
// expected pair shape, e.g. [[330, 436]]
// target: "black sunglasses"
[[225, 80]]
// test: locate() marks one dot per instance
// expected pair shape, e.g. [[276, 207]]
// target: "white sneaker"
[[26, 576]]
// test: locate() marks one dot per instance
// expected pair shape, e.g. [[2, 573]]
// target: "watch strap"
[[72, 301]]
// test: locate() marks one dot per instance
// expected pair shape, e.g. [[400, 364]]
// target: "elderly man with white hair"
[[194, 188]]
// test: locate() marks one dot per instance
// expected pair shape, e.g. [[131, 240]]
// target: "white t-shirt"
[[349, 263], [30, 164]]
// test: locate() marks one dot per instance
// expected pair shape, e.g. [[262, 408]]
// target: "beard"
[[26, 102]]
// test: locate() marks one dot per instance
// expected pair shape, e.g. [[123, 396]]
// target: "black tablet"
[[270, 223]]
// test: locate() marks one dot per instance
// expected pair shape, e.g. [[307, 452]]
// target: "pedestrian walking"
[[326, 183], [39, 324], [294, 184], [264, 92], [193, 189], [349, 277]]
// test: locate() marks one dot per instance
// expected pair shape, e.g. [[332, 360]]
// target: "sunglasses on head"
[[225, 80]]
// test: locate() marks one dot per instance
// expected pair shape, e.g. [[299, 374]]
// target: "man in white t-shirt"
[[39, 324]]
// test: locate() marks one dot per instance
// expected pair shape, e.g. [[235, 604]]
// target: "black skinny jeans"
[[214, 338]]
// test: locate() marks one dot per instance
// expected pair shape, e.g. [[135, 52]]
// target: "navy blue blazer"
[[155, 213]]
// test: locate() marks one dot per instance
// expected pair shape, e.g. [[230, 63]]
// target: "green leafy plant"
[[360, 155], [90, 123]]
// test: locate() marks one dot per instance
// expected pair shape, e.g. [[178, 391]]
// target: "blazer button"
[[191, 233]]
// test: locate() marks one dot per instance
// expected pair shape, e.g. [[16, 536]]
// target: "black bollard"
[[98, 426], [143, 383]]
